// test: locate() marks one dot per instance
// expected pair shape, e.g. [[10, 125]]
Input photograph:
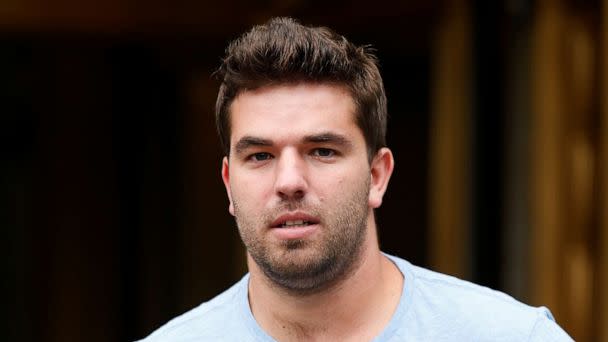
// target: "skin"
[[296, 150]]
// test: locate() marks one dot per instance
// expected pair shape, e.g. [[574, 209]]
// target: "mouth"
[[294, 220], [295, 223], [294, 226]]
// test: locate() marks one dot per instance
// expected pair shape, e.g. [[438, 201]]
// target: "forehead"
[[273, 111]]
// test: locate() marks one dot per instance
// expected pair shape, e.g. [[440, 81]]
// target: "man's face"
[[298, 180]]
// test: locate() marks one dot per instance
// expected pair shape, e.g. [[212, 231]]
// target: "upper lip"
[[297, 216]]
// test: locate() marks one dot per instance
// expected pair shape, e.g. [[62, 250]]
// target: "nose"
[[290, 182]]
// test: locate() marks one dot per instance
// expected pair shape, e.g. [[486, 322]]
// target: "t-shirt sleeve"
[[546, 329]]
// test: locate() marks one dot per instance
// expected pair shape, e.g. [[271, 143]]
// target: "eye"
[[323, 152], [260, 156]]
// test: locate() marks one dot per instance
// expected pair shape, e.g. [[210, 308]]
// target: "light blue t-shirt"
[[433, 307]]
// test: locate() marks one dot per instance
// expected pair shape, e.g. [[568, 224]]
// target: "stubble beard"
[[305, 266]]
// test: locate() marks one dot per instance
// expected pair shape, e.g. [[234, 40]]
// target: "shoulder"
[[456, 307], [209, 321]]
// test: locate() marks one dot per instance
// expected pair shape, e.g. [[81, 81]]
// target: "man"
[[301, 114]]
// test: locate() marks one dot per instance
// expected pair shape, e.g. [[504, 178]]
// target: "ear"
[[226, 179], [381, 170]]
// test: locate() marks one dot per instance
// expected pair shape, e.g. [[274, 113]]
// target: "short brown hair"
[[284, 51]]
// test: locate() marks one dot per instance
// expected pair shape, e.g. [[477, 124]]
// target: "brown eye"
[[261, 156], [324, 152]]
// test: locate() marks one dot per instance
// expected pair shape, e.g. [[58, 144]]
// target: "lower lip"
[[295, 232]]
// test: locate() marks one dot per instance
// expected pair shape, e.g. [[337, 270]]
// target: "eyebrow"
[[329, 137], [250, 141]]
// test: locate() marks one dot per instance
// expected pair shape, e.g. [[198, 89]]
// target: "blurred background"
[[113, 217]]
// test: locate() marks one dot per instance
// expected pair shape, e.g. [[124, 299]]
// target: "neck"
[[357, 306]]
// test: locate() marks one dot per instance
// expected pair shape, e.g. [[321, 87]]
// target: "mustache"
[[291, 206]]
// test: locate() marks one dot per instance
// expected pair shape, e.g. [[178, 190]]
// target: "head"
[[283, 51], [301, 114]]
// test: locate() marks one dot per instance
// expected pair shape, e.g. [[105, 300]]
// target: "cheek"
[[250, 191], [334, 186], [348, 178]]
